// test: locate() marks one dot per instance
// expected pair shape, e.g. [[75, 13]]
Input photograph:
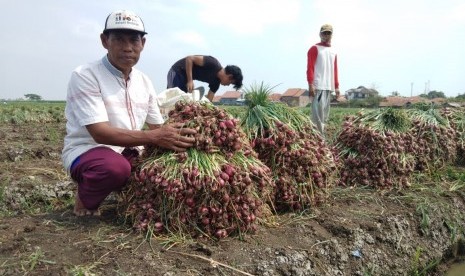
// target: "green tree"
[[370, 102], [433, 95], [460, 97], [33, 97]]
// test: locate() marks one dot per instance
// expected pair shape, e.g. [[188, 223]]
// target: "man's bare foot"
[[80, 210]]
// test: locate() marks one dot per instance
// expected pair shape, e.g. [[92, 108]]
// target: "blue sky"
[[409, 46]]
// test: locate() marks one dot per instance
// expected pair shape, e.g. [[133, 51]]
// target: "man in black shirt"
[[206, 69]]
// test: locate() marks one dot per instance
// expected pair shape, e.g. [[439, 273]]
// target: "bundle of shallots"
[[435, 138], [456, 118], [215, 189], [301, 162], [374, 150]]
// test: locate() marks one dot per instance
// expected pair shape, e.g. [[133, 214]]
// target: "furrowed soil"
[[357, 231]]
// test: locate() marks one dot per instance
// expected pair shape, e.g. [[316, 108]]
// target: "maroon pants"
[[100, 171]]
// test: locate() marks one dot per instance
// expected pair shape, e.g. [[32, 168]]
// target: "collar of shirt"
[[117, 73], [324, 44]]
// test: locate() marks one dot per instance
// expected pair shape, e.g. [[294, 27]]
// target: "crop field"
[[382, 194]]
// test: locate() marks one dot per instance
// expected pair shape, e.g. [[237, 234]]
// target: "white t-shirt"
[[98, 93]]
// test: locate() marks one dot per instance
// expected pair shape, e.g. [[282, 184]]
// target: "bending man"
[[206, 69]]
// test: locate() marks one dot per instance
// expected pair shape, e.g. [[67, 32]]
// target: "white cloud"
[[87, 29], [191, 38], [455, 14], [248, 17]]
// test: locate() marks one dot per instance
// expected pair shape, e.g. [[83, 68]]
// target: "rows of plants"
[[35, 112], [270, 159]]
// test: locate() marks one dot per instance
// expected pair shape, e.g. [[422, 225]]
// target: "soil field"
[[357, 231]]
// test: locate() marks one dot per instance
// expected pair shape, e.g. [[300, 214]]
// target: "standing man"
[[107, 105], [322, 77], [206, 69]]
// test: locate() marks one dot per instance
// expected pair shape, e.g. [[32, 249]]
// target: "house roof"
[[231, 95], [294, 92], [454, 104], [401, 101], [216, 99], [438, 100], [341, 99], [275, 97], [362, 89]]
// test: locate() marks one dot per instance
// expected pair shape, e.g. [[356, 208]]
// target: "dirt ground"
[[356, 231]]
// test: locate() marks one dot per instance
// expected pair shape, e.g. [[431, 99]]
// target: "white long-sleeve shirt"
[[97, 92]]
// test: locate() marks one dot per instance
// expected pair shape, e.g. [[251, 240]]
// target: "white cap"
[[124, 20]]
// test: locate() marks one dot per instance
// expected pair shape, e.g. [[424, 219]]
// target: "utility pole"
[[411, 89]]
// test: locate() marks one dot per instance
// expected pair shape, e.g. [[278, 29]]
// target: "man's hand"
[[311, 90], [190, 86], [173, 136]]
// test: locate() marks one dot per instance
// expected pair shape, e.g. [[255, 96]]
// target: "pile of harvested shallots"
[[271, 159], [215, 189]]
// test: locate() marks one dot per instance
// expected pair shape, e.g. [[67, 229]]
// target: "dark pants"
[[176, 80], [99, 172]]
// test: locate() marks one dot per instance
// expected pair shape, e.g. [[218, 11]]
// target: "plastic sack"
[[168, 98]]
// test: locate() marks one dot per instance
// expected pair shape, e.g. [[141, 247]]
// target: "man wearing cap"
[[206, 69], [322, 76], [108, 103]]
